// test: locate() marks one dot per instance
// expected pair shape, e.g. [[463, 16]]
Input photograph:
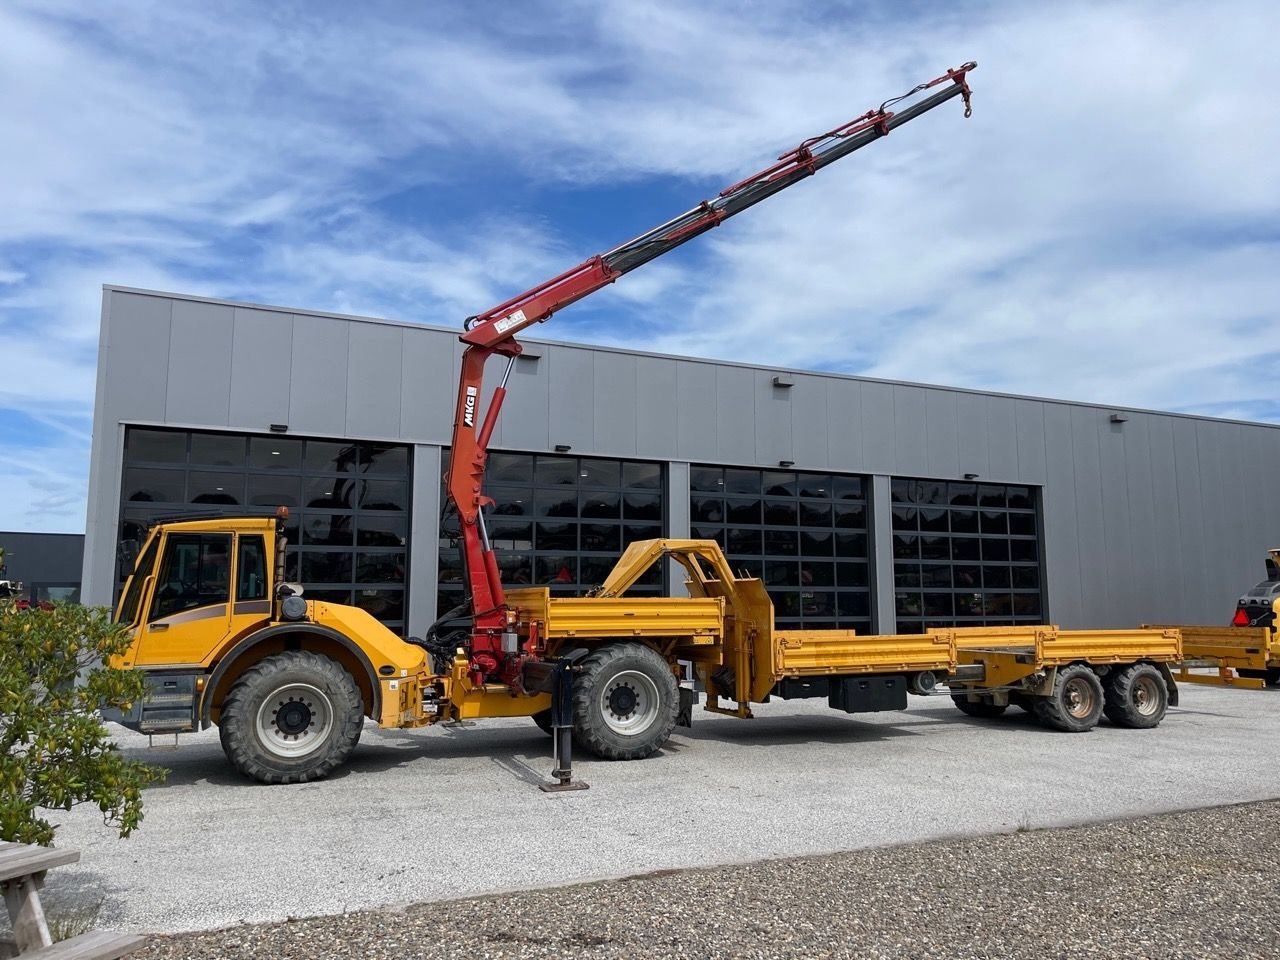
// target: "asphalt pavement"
[[451, 812]]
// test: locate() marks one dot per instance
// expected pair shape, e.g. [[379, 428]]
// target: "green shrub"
[[57, 753]]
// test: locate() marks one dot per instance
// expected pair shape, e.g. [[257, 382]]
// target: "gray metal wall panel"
[[910, 445], [428, 381], [1166, 532], [1190, 516], [774, 416], [878, 431], [678, 521], [318, 376], [1062, 558], [1091, 532], [1002, 439], [1141, 580], [845, 432], [942, 435], [616, 402], [1028, 424], [971, 434], [261, 355], [138, 357], [658, 410], [424, 540], [1118, 561], [526, 422], [571, 386], [884, 611], [199, 381], [373, 382], [734, 438], [810, 423], [696, 423]]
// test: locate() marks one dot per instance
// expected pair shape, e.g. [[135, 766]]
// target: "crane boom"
[[493, 332]]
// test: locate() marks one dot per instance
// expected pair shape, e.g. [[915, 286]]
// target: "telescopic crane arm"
[[494, 332]]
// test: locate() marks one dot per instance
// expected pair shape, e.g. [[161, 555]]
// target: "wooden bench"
[[22, 870]]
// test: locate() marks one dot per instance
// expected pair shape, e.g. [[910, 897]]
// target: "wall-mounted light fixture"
[[786, 463], [563, 448], [971, 476], [783, 380], [1119, 418], [279, 428]]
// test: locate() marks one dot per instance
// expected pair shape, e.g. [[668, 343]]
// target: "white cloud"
[[1101, 229]]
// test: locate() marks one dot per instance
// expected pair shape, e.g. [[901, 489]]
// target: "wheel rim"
[[1146, 696], [295, 720], [1079, 697], [629, 702]]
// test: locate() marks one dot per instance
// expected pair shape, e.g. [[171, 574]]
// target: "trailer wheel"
[[625, 700], [543, 719], [1076, 702], [292, 718], [982, 707], [1136, 697]]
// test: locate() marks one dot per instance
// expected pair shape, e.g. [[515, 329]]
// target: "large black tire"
[[625, 700], [982, 708], [543, 719], [1136, 697], [1076, 702], [291, 718]]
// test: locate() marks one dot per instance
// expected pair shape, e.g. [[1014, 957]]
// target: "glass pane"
[[936, 575], [560, 471], [850, 516], [742, 481], [906, 575], [275, 453], [697, 533], [780, 513], [326, 566], [707, 510], [219, 488], [995, 577], [817, 485], [330, 493], [216, 450], [319, 528], [815, 543], [595, 570], [779, 484], [745, 541], [966, 548], [600, 473], [646, 476], [816, 574], [964, 521], [781, 542], [1023, 551], [966, 577], [815, 514], [935, 548], [385, 495], [851, 544], [995, 523], [599, 504], [1022, 524], [515, 568], [907, 604], [382, 604], [602, 536], [556, 503], [706, 479], [642, 506], [991, 496], [381, 531], [331, 595], [510, 501], [995, 549], [450, 567], [556, 569], [743, 511], [962, 494], [906, 518], [323, 456], [781, 573], [510, 468], [646, 531], [383, 459], [937, 605], [1026, 577], [510, 534], [933, 520], [847, 488], [906, 547], [557, 536], [266, 490], [1026, 604], [380, 567], [853, 604], [158, 446], [144, 485], [1021, 498]]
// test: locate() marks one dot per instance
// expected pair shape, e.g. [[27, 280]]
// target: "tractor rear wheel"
[[625, 700], [1075, 705], [1136, 697], [291, 718]]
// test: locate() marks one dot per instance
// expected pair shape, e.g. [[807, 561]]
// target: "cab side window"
[[195, 572], [251, 569]]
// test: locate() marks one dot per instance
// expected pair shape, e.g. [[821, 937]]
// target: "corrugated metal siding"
[[1159, 518]]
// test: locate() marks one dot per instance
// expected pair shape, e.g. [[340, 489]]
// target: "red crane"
[[494, 330]]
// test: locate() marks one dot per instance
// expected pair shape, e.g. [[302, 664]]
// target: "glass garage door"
[[348, 503], [965, 554], [803, 534]]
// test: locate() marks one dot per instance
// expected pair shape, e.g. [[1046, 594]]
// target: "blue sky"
[[1104, 228]]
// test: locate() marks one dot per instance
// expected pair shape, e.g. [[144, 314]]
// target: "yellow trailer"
[[289, 681]]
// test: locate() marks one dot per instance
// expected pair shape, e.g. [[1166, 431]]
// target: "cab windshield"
[[128, 612]]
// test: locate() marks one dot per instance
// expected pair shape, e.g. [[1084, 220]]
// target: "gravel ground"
[[1198, 884]]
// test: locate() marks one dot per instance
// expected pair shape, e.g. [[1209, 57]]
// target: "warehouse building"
[[862, 503]]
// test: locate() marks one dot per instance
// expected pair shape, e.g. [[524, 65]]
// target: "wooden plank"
[[24, 859], [94, 945]]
